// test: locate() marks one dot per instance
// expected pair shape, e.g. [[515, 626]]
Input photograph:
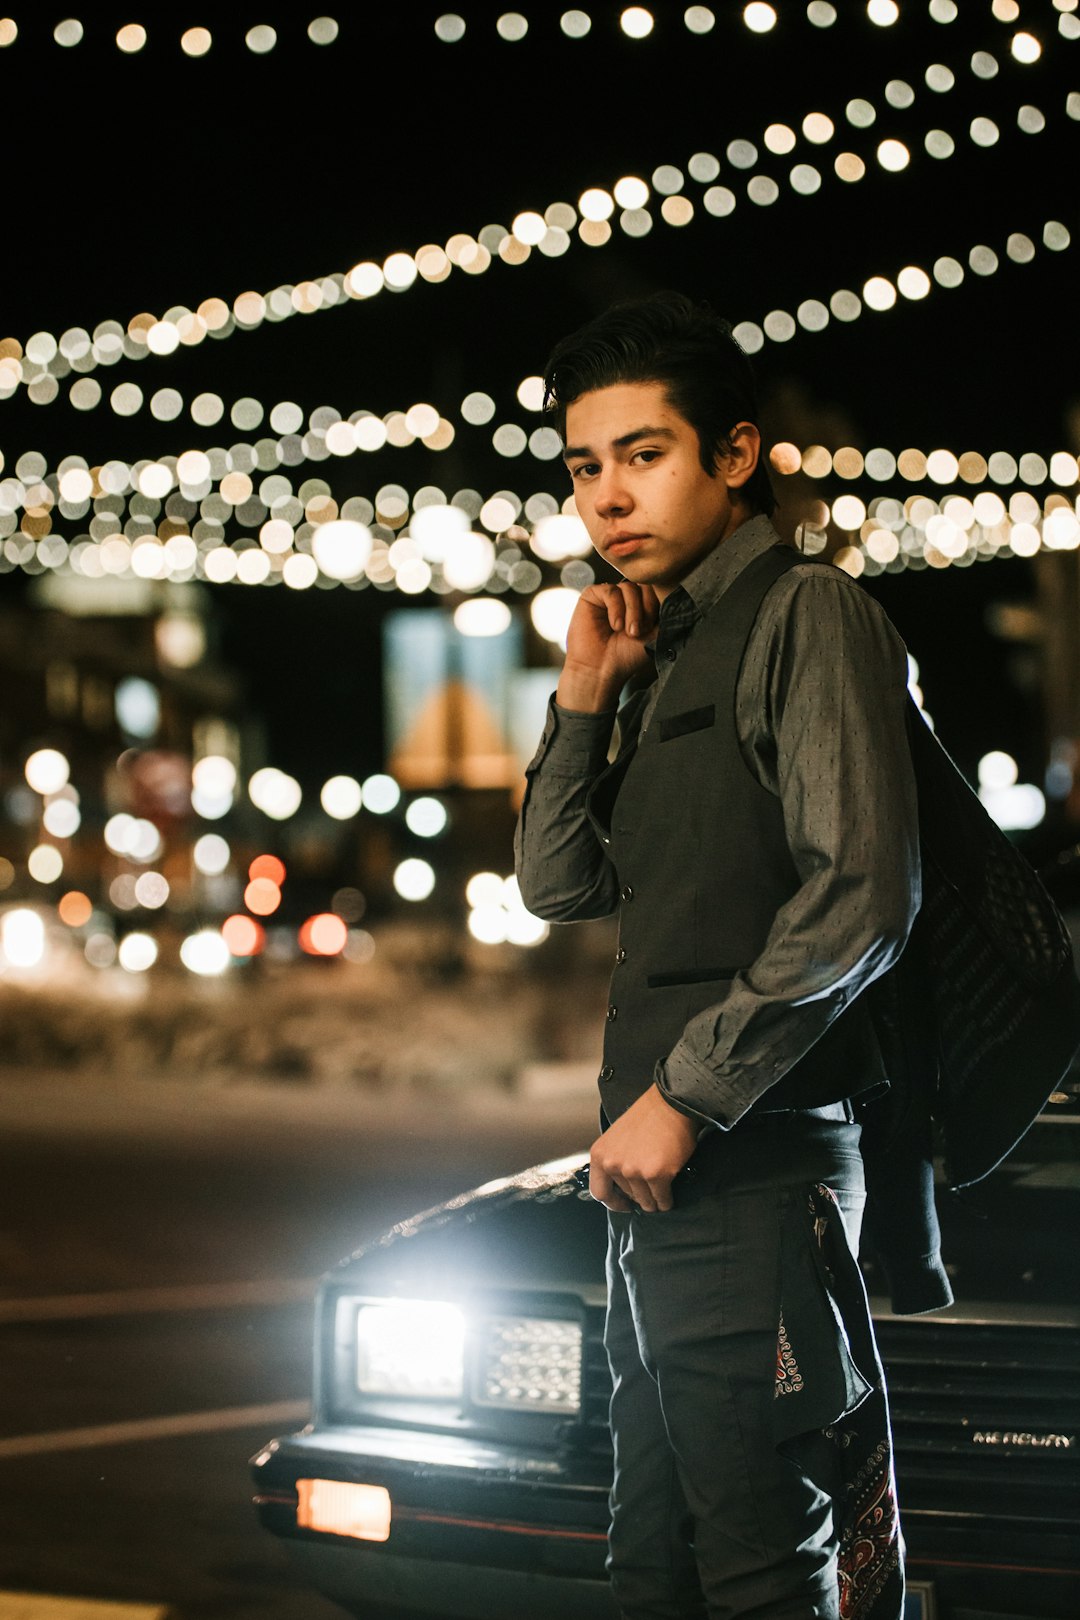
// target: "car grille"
[[986, 1417]]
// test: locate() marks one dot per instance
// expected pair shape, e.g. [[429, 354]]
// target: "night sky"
[[135, 183]]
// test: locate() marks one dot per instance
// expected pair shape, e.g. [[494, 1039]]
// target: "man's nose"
[[612, 496]]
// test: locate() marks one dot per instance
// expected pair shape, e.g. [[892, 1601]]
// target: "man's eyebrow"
[[623, 442]]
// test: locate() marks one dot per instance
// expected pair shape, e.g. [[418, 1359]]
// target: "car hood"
[[538, 1229]]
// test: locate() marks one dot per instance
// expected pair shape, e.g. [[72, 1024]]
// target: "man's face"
[[651, 509]]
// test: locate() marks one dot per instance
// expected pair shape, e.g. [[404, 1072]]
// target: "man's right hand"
[[605, 645]]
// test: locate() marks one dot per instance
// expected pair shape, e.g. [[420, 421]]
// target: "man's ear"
[[738, 465]]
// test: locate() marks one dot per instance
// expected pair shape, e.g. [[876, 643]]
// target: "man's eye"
[[586, 468], [647, 455]]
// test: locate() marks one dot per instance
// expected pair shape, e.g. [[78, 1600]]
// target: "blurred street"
[[159, 1245]]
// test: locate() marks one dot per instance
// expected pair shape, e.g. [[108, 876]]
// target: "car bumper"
[[477, 1531]]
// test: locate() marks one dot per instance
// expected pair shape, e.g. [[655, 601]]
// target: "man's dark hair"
[[668, 339]]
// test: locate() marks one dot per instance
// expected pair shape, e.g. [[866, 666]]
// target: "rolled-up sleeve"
[[821, 711], [562, 871]]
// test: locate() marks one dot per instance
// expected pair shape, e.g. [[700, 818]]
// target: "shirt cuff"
[[697, 1091], [574, 743]]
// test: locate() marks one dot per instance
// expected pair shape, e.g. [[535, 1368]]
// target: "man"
[[757, 834]]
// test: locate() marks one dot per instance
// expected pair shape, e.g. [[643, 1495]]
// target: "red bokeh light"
[[262, 896], [323, 935], [243, 935], [268, 866]]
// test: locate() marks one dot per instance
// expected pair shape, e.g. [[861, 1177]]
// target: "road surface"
[[158, 1251]]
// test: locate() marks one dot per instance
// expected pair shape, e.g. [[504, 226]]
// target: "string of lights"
[[297, 531], [195, 473], [132, 38], [75, 484], [44, 361], [425, 541], [635, 22], [880, 293]]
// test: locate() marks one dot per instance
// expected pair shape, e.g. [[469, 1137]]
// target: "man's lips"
[[618, 544]]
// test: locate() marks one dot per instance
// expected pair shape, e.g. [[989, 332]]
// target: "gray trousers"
[[708, 1519]]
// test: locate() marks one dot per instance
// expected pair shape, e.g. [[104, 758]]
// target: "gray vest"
[[704, 866]]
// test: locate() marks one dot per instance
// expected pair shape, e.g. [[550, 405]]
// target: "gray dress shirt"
[[820, 716]]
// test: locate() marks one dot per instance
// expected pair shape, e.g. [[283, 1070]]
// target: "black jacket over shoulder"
[[977, 1022]]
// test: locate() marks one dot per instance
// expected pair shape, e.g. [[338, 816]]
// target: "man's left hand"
[[638, 1157]]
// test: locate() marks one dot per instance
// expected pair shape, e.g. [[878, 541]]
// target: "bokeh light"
[[211, 854], [551, 612], [893, 155], [243, 935], [22, 937], [636, 22], [195, 41], [259, 41], [262, 896], [137, 952], [1025, 48], [47, 770], [469, 562], [341, 797], [484, 889], [323, 935], [205, 953], [414, 879], [45, 863], [342, 548], [100, 950], [482, 616], [61, 818], [759, 18], [275, 793], [214, 776], [268, 866], [489, 924], [559, 535], [151, 890], [75, 908], [381, 794], [426, 817]]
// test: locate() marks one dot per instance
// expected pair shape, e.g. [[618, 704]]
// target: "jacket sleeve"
[[897, 1144], [562, 871]]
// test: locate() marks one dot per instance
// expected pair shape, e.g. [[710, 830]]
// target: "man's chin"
[[638, 570]]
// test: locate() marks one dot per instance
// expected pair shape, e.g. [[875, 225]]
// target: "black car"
[[458, 1460]]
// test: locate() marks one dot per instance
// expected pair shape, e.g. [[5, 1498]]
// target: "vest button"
[[626, 893], [612, 1014], [620, 956], [607, 1072]]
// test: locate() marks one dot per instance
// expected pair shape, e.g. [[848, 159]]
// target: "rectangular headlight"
[[411, 1347], [529, 1364]]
